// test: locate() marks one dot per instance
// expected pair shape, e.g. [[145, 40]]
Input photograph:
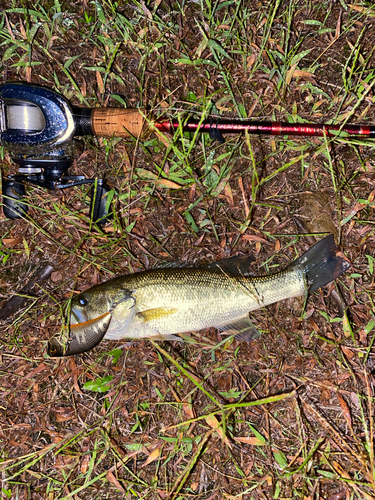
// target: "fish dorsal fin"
[[169, 265], [242, 328], [238, 264], [157, 313]]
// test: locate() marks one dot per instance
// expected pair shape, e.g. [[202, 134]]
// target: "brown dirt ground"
[[46, 413]]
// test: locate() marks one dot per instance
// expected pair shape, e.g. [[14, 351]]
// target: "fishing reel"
[[37, 127]]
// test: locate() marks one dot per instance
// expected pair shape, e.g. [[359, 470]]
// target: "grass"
[[289, 416]]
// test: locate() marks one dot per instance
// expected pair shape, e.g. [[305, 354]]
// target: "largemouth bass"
[[162, 303]]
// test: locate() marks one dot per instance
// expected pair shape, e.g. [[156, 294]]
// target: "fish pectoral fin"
[[157, 313], [243, 329]]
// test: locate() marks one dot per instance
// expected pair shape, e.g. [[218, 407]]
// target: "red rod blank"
[[270, 128]]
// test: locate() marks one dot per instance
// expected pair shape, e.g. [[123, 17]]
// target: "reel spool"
[[37, 127]]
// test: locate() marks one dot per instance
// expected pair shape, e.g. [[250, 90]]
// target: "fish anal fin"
[[157, 313], [242, 328], [169, 336]]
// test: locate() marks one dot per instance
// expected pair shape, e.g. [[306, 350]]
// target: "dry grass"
[[287, 417]]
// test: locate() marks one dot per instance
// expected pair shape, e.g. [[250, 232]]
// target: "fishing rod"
[[38, 125]]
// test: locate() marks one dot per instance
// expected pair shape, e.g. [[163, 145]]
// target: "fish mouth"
[[78, 316], [55, 348]]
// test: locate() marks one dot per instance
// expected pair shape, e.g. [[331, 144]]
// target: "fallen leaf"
[[300, 72], [11, 242], [36, 370], [188, 410], [56, 276], [99, 81], [73, 367], [213, 422], [111, 478], [345, 409], [254, 441], [253, 237], [154, 455], [85, 463]]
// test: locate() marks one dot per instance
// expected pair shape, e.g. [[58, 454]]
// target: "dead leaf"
[[342, 377], [36, 370], [253, 237], [290, 73], [56, 276], [213, 422], [73, 367], [28, 74], [252, 440], [154, 455], [85, 463], [229, 195], [348, 352], [345, 409], [325, 395], [354, 210], [355, 400], [111, 478], [146, 11], [369, 12], [300, 72], [189, 410], [99, 81], [11, 242], [63, 418], [63, 461], [240, 183], [167, 184]]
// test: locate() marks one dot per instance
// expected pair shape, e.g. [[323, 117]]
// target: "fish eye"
[[83, 301]]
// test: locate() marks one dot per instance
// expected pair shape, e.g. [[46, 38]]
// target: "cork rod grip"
[[117, 122]]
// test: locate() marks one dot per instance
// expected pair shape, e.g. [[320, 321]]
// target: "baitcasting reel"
[[37, 127]]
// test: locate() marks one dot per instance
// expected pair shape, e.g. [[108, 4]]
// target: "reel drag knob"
[[13, 194]]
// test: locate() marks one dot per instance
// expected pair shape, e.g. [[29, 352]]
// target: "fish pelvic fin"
[[242, 328], [320, 265]]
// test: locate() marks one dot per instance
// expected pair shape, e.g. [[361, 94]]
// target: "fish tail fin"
[[320, 264]]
